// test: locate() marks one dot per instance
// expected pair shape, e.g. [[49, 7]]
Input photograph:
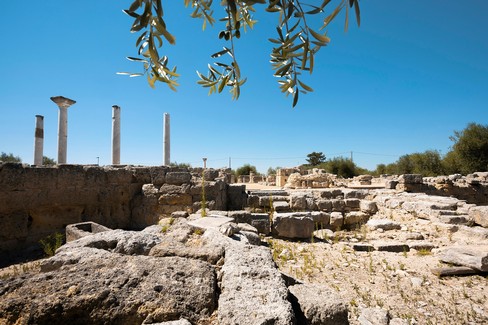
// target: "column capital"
[[62, 102]]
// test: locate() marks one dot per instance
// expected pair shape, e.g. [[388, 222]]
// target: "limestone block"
[[175, 199], [475, 257], [338, 205], [81, 284], [374, 316], [368, 207], [240, 216], [324, 205], [391, 246], [320, 219], [210, 222], [354, 219], [363, 247], [178, 178], [336, 220], [352, 204], [354, 194], [262, 225], [298, 201], [410, 179], [384, 224], [249, 275], [149, 189], [318, 304], [479, 215], [288, 225], [174, 189], [311, 204], [281, 206]]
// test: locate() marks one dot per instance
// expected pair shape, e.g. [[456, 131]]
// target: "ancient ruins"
[[314, 249]]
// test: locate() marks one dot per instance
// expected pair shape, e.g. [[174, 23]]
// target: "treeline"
[[468, 154]]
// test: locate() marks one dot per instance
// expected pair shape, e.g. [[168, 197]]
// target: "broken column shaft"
[[39, 140], [166, 140], [115, 135]]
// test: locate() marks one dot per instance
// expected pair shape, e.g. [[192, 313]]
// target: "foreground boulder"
[[252, 289], [95, 286], [318, 305]]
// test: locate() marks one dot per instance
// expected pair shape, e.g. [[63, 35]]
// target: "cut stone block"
[[394, 247], [475, 257]]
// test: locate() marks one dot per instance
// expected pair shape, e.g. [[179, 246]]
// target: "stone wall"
[[38, 201]]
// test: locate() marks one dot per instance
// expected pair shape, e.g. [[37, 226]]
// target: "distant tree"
[[451, 164], [404, 165], [247, 169], [340, 166], [272, 171], [9, 158], [380, 169], [180, 165], [295, 45], [315, 158], [427, 163], [470, 149], [48, 161]]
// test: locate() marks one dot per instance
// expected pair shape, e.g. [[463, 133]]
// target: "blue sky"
[[414, 72]]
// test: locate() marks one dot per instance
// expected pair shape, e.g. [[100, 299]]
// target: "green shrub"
[[51, 243]]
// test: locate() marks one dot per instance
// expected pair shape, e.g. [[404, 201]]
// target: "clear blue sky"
[[414, 72]]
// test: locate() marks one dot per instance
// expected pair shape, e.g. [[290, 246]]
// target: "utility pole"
[[351, 156]]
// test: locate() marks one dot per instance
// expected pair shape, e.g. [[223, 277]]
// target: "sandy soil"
[[401, 283]]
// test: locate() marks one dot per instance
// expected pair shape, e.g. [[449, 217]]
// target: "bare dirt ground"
[[401, 283]]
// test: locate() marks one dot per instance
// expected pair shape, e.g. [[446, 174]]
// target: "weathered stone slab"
[[291, 225], [205, 223], [318, 304], [178, 178], [475, 257], [252, 289], [421, 245], [369, 207], [479, 215], [374, 316], [320, 219], [394, 247], [384, 224], [363, 247], [454, 271], [118, 241], [281, 206], [354, 219], [94, 286], [453, 219], [261, 221]]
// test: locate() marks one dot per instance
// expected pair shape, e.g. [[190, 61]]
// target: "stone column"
[[39, 140], [63, 104], [166, 140], [115, 135]]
